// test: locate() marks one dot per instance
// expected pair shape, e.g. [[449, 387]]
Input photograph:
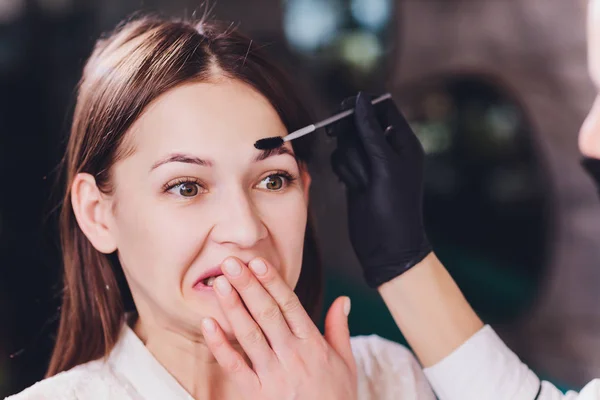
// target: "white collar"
[[131, 359]]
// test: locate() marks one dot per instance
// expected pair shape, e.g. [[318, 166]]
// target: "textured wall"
[[537, 49]]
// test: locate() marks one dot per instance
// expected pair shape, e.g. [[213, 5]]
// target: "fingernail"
[[209, 325], [347, 306], [361, 98], [222, 285], [258, 266], [232, 267]]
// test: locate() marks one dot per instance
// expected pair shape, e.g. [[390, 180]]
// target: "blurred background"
[[495, 90]]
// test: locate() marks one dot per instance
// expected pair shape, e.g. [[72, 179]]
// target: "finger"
[[294, 313], [337, 332], [345, 172], [405, 144], [357, 162], [388, 112], [351, 152], [343, 126], [393, 139], [369, 130], [228, 358], [261, 305], [246, 330]]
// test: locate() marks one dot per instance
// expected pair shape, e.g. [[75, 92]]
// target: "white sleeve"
[[485, 368], [388, 371]]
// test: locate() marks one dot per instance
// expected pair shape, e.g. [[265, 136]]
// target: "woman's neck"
[[188, 360]]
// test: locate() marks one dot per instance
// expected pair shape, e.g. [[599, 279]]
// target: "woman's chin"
[[216, 313]]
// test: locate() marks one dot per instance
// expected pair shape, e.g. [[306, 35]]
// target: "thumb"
[[337, 333], [368, 129]]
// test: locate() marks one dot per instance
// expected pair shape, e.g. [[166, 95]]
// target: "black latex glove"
[[380, 160], [592, 167]]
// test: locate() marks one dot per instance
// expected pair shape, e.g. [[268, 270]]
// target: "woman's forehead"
[[207, 115]]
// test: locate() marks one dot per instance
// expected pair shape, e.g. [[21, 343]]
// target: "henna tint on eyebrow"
[[266, 153]]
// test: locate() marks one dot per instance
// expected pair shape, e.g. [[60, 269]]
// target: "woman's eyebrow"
[[264, 154], [190, 159], [183, 158]]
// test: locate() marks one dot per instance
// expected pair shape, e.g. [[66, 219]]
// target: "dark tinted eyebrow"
[[183, 158], [264, 154]]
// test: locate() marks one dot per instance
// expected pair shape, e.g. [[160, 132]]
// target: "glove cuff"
[[378, 275]]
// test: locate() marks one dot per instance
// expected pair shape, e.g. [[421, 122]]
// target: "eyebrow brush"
[[277, 141]]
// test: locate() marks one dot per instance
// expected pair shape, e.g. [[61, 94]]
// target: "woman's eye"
[[273, 182], [186, 189]]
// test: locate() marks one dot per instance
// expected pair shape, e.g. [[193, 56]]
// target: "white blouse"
[[386, 370], [485, 368]]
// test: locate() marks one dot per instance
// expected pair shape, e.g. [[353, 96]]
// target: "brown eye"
[[185, 187], [273, 183], [188, 189]]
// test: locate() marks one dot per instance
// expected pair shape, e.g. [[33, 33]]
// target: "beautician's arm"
[[430, 310], [466, 360], [381, 163]]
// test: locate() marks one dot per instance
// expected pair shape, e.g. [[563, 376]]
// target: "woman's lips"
[[201, 282]]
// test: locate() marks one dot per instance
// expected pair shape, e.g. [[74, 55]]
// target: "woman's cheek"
[[589, 134], [161, 237], [285, 217], [180, 233]]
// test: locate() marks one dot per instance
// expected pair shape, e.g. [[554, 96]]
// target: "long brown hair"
[[142, 59]]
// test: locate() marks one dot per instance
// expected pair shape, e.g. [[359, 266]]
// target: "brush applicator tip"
[[269, 143]]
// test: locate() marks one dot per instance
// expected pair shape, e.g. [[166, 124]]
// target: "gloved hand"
[[380, 160]]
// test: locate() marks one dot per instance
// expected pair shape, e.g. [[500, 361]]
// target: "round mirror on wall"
[[486, 193]]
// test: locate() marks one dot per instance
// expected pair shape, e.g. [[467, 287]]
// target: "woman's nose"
[[239, 222]]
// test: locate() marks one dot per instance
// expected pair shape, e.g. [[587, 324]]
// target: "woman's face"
[[589, 135], [195, 191]]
